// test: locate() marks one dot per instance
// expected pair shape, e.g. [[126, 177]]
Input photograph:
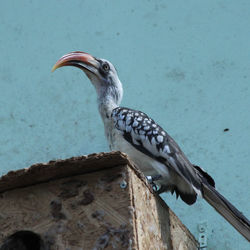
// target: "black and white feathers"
[[145, 135]]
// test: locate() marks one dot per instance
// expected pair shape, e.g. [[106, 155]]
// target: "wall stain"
[[176, 75]]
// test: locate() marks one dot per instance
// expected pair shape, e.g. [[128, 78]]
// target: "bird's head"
[[101, 73]]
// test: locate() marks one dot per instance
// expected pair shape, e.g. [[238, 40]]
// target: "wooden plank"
[[44, 172], [104, 202], [156, 226], [87, 211]]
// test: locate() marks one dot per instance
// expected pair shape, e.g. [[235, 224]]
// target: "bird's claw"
[[151, 180]]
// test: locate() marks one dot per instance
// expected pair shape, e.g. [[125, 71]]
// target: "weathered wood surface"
[[93, 208], [43, 172], [81, 212], [155, 225]]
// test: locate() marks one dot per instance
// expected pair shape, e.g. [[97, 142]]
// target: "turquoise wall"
[[185, 63]]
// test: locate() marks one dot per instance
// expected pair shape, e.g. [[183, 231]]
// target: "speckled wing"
[[148, 137]]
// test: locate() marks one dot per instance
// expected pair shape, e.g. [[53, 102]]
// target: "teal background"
[[185, 63]]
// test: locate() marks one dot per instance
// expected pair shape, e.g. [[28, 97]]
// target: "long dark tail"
[[227, 210], [222, 205]]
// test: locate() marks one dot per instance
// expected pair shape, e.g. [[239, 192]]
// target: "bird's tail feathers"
[[226, 209], [204, 175]]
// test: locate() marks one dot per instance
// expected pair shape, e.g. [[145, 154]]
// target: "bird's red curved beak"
[[79, 59]]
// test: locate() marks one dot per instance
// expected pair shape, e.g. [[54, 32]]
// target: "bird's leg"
[[151, 180]]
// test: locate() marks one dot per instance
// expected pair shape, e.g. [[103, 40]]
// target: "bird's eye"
[[105, 67]]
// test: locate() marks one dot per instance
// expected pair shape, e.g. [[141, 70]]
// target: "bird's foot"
[[152, 179]]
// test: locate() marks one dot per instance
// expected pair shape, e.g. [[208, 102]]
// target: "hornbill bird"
[[147, 144]]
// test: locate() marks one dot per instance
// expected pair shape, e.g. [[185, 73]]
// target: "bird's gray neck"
[[108, 99]]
